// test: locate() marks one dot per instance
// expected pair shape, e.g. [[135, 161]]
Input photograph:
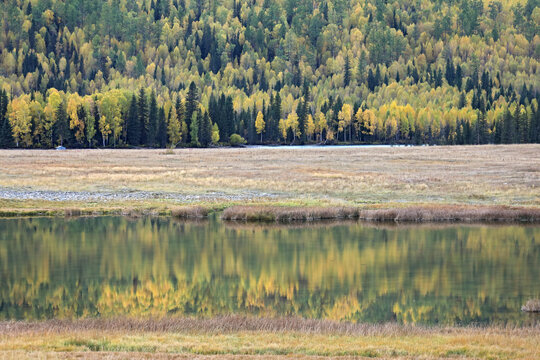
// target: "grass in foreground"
[[236, 336]]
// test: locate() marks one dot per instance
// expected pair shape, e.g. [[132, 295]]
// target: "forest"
[[199, 73]]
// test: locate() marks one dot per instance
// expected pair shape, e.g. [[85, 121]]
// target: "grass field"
[[238, 337], [368, 177]]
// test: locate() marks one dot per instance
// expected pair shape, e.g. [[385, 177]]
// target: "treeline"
[[120, 118], [195, 72]]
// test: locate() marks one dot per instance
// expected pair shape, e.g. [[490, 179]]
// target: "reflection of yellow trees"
[[114, 266]]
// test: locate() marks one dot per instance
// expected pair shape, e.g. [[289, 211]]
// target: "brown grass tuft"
[[72, 212], [187, 212], [438, 213], [449, 213], [233, 324], [287, 214], [531, 306]]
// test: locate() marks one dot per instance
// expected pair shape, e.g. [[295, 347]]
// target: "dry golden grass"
[[237, 337], [430, 213], [462, 174], [189, 212], [453, 213], [532, 305], [284, 213]]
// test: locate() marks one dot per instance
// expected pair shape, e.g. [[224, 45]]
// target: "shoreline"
[[298, 214]]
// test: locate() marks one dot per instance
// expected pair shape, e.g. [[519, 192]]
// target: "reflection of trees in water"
[[151, 266]]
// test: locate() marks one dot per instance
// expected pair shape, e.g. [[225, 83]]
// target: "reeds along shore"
[[190, 212], [241, 323], [532, 306], [243, 337], [441, 213]]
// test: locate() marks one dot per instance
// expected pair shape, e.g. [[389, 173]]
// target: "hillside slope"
[[175, 72]]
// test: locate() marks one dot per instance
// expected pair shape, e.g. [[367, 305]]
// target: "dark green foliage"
[[152, 125], [142, 112], [192, 103], [133, 124], [61, 132], [161, 136], [6, 135], [205, 135], [214, 54], [347, 72]]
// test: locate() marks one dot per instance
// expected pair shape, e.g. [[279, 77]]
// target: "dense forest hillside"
[[200, 72]]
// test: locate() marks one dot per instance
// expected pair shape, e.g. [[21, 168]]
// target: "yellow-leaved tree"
[[292, 123], [174, 128], [19, 117], [260, 124]]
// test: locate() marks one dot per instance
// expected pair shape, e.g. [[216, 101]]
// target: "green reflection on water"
[[111, 266]]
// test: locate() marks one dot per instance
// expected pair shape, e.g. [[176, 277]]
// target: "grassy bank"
[[237, 337], [289, 213], [460, 183], [429, 213]]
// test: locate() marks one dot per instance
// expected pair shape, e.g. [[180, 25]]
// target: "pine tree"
[[133, 125], [191, 106], [462, 100], [371, 80], [61, 126], [152, 126], [162, 138], [347, 71], [142, 112], [205, 136], [6, 134], [481, 129], [194, 128], [458, 77], [450, 72]]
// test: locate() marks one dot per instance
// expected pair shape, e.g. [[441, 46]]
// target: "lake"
[[350, 271]]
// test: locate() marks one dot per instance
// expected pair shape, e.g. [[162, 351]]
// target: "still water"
[[115, 266]]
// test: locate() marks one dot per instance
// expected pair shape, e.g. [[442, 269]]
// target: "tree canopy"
[[437, 72]]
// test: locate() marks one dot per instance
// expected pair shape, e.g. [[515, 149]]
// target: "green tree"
[[133, 125], [194, 128]]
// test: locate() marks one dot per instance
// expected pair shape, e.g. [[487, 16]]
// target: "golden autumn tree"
[[260, 124]]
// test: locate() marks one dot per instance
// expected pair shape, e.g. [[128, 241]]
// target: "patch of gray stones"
[[127, 195]]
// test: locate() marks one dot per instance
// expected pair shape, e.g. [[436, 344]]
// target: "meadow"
[[158, 181]]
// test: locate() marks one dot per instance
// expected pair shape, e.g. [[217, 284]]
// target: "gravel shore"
[[127, 195]]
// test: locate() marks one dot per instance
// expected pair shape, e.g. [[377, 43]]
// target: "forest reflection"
[[115, 266]]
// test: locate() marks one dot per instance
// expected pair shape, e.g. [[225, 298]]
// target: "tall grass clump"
[[532, 306], [72, 212], [434, 213], [190, 212], [450, 213], [287, 214]]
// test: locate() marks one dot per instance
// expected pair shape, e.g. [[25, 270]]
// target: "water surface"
[[115, 266]]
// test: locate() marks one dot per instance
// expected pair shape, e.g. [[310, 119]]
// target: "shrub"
[[236, 140]]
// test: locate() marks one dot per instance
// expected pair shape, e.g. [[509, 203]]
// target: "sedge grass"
[[245, 337]]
